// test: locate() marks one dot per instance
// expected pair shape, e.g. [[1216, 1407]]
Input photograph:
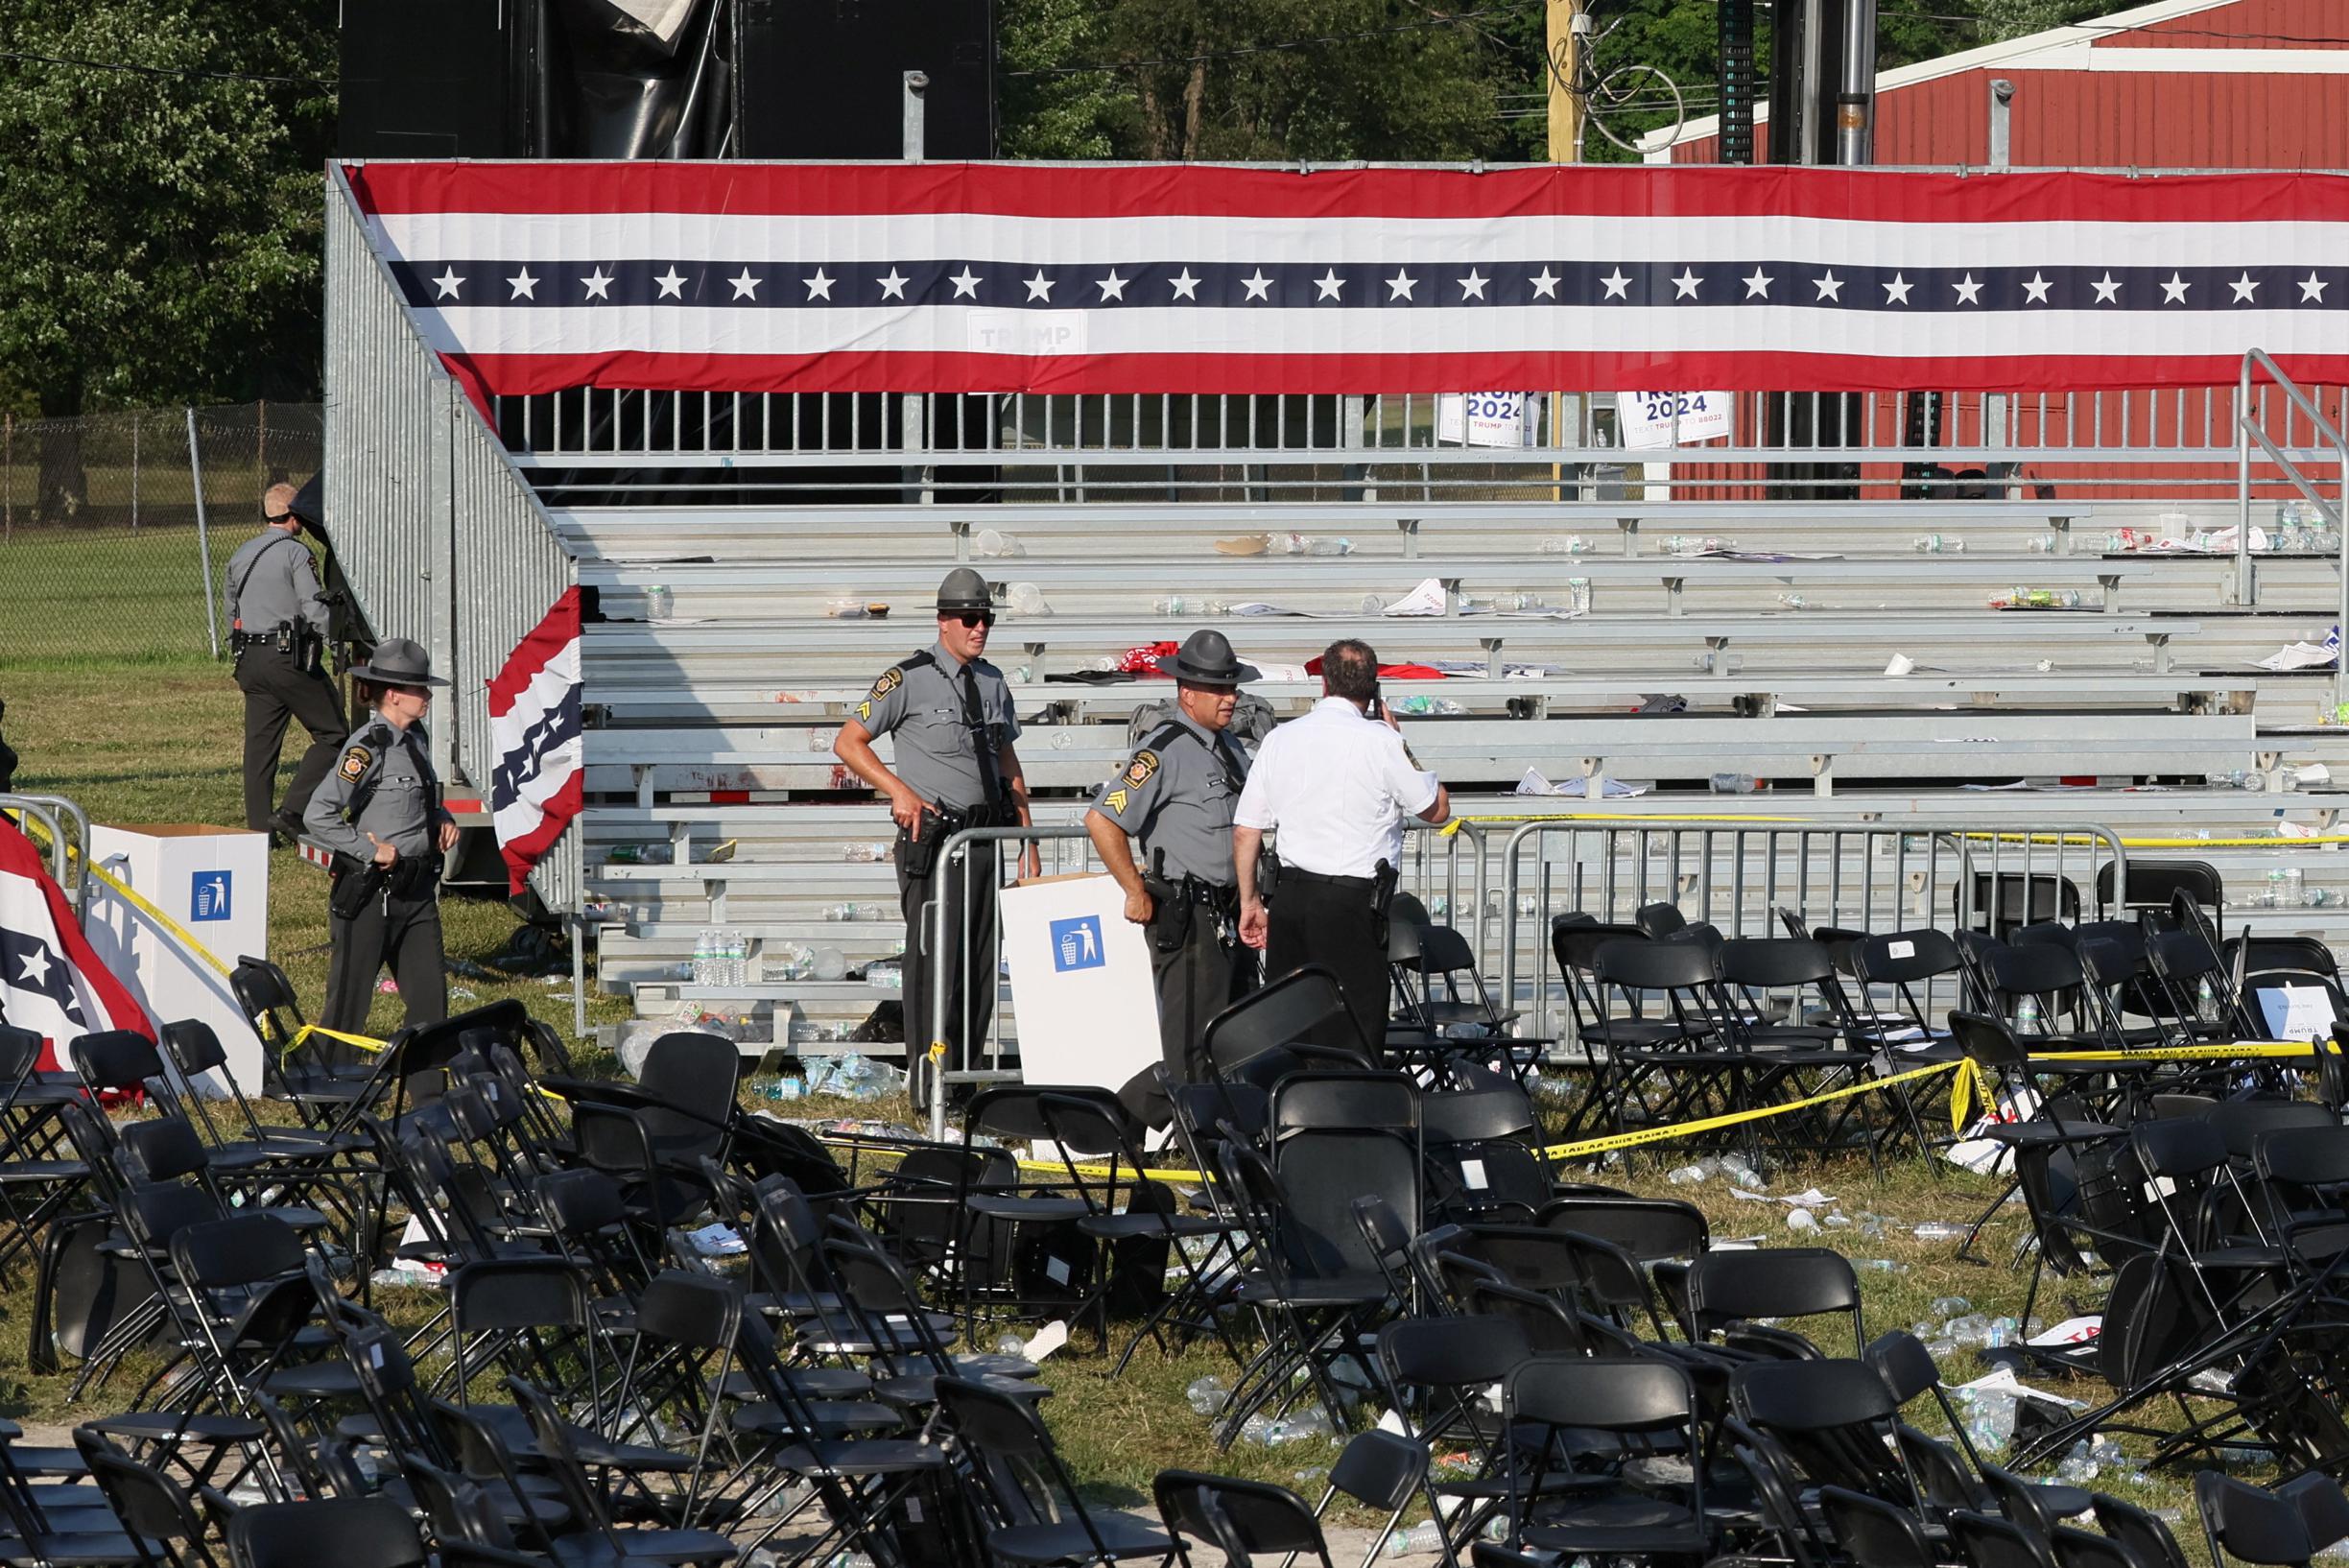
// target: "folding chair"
[[1728, 1289], [1031, 1510], [349, 1533], [1623, 1416]]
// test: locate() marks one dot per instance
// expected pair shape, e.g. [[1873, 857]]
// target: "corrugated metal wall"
[[440, 539], [2247, 24]]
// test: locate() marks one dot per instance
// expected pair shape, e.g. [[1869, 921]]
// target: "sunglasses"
[[976, 617]]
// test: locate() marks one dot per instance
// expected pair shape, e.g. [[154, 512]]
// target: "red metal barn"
[[2176, 85]]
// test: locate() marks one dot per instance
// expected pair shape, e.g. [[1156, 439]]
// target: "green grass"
[[97, 600]]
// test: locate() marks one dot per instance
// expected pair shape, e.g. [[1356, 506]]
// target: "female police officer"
[[380, 812]]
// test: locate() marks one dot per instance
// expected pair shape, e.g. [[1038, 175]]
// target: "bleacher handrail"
[[2248, 433]]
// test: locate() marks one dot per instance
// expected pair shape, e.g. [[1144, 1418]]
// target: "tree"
[[160, 209]]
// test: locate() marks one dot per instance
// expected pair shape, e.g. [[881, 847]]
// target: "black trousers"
[[1197, 978], [403, 932], [1335, 926], [966, 967], [278, 689]]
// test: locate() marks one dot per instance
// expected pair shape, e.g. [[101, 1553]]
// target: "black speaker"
[[825, 79], [432, 79]]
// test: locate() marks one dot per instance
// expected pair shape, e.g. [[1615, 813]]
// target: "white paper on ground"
[[2297, 656], [1427, 599], [2004, 1381], [2072, 1330], [1533, 783], [1049, 1338]]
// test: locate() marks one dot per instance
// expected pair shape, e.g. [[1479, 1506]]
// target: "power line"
[[127, 68]]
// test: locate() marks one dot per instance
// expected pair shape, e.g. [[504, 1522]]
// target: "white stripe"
[[877, 241], [1480, 330], [2085, 57]]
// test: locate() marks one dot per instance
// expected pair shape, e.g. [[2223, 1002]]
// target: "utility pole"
[[1566, 25]]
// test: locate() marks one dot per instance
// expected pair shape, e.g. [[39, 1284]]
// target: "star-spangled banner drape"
[[535, 729], [51, 979], [1148, 279]]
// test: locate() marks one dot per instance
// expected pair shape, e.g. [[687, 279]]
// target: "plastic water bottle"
[[1419, 1540], [738, 958], [1172, 604], [2027, 1015], [1206, 1394], [1569, 544], [704, 961], [660, 603], [2040, 544], [1938, 544]]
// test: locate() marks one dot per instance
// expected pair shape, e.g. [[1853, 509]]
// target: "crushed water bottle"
[[1577, 596], [874, 852], [1989, 1417], [992, 542], [1173, 604], [1946, 1307], [1937, 544], [1569, 544], [1940, 1231], [2040, 544], [1687, 1175], [1417, 1541], [1207, 1394]]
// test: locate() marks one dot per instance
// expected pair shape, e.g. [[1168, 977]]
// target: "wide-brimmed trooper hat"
[[1207, 659], [397, 661]]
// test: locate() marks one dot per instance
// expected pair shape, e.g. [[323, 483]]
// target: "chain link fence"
[[115, 529]]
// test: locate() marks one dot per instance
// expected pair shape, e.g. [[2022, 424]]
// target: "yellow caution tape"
[[1975, 1081], [364, 1042], [1737, 1118], [170, 927]]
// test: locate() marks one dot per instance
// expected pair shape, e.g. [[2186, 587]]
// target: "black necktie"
[[974, 721]]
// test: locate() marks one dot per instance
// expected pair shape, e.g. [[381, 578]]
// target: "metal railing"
[[1739, 874], [68, 851], [2249, 432], [440, 538]]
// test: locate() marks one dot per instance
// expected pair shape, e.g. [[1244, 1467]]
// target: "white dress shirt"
[[1338, 785]]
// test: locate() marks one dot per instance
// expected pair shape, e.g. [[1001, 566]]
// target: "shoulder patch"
[[864, 708], [1115, 800], [1138, 772], [891, 680], [355, 762]]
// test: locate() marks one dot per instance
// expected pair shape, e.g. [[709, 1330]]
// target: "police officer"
[[380, 812], [1176, 795], [276, 634], [1337, 783], [951, 713]]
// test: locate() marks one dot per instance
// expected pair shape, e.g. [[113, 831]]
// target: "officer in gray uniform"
[[951, 713], [276, 634], [1176, 795], [380, 812]]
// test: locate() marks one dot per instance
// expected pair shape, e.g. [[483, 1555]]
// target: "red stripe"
[[1714, 369], [556, 630], [19, 858], [1120, 191], [522, 853], [729, 798]]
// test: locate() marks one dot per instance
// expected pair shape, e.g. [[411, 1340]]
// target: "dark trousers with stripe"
[[276, 690], [966, 967]]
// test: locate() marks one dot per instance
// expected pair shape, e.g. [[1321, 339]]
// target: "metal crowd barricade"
[[68, 851], [930, 928], [1738, 874]]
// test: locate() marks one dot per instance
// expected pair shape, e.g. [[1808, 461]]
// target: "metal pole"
[[204, 537], [2340, 666], [2244, 592], [1855, 105], [912, 436], [578, 977], [2001, 95], [1811, 95], [134, 478]]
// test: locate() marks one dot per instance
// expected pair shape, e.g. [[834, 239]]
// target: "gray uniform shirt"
[[404, 807], [272, 581], [1178, 795], [923, 708]]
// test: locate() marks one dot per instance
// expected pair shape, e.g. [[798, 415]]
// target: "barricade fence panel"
[[1505, 880], [103, 542]]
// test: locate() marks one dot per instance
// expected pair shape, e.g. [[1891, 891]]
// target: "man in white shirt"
[[1337, 783]]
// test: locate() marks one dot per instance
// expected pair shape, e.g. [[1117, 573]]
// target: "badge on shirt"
[[1138, 772], [889, 682], [355, 764]]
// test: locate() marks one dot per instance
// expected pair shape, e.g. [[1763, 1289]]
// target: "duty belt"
[[1289, 873]]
